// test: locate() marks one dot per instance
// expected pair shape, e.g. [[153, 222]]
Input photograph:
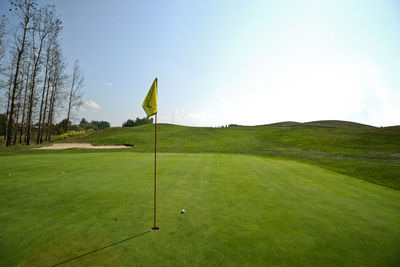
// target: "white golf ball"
[[182, 211]]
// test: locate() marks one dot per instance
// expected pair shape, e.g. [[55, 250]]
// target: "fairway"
[[240, 210]]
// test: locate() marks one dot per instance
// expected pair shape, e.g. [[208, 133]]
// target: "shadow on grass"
[[96, 250]]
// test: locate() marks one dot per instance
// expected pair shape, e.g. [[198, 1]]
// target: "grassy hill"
[[249, 198], [339, 124], [362, 151], [324, 123]]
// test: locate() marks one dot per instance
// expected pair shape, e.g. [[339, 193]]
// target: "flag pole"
[[155, 228]]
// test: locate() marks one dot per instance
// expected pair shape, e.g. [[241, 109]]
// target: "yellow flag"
[[150, 102]]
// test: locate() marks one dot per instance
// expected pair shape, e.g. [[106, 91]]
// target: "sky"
[[236, 62]]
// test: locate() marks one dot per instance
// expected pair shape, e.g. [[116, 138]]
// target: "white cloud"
[[91, 105], [271, 92], [384, 109], [191, 119], [108, 84]]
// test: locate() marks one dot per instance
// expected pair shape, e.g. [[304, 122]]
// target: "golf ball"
[[182, 211]]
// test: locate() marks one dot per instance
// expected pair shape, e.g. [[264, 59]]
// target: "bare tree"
[[34, 87], [2, 35], [24, 10], [51, 86], [26, 70], [8, 94], [3, 84], [56, 82], [9, 87], [18, 105], [74, 92], [55, 27], [42, 28]]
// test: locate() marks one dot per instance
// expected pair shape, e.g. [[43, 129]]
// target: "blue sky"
[[243, 62]]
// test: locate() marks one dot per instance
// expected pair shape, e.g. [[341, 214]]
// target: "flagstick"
[[155, 228]]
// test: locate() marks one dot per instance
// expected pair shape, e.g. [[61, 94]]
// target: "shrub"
[[70, 134], [137, 122]]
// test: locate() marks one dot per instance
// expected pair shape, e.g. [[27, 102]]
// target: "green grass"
[[241, 210], [286, 194], [361, 151]]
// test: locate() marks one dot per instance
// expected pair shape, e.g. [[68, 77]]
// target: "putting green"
[[240, 210]]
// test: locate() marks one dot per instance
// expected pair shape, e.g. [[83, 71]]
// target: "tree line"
[[95, 125], [34, 82], [59, 128], [137, 122]]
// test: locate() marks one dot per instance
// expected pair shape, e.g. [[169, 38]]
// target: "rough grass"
[[362, 151], [240, 210]]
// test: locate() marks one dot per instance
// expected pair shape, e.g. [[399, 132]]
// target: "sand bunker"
[[80, 145]]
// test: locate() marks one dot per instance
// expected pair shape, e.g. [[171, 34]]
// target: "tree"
[[8, 92], [42, 27], [55, 27], [22, 128], [35, 73], [60, 127], [3, 120], [129, 123], [84, 124], [99, 125], [2, 52], [137, 122], [2, 35], [56, 81], [24, 9], [75, 94]]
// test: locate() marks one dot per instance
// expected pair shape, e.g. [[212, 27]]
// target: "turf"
[[358, 150], [240, 210]]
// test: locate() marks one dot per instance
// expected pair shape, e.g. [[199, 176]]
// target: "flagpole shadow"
[[96, 250]]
